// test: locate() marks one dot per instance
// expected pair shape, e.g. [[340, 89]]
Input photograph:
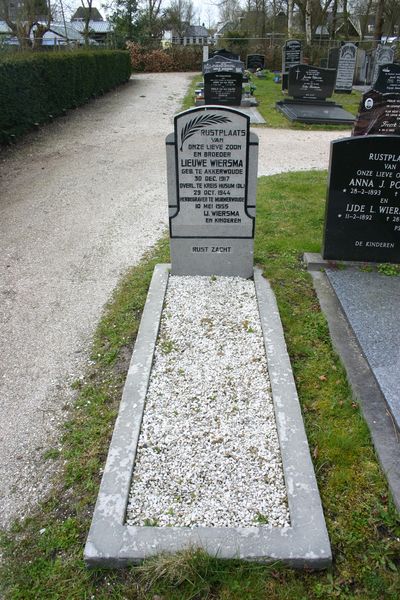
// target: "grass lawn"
[[268, 93], [42, 557]]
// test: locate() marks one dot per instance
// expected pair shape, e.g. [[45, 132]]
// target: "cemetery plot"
[[209, 448], [310, 86], [362, 219]]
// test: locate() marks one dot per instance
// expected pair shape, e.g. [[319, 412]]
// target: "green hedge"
[[34, 88]]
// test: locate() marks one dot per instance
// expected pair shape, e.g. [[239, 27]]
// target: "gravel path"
[[80, 201]]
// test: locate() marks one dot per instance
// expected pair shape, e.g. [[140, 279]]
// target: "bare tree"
[[30, 21]]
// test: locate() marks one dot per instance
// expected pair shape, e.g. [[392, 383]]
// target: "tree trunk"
[[379, 22], [308, 22], [290, 18]]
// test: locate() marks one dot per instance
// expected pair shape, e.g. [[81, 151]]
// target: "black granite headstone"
[[388, 80], [255, 61], [225, 54], [218, 64], [311, 83], [291, 55], [379, 114], [362, 219], [345, 68]]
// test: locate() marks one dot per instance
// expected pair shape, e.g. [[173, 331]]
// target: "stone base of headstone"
[[316, 112], [223, 257]]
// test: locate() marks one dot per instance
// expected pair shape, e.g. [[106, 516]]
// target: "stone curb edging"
[[305, 544]]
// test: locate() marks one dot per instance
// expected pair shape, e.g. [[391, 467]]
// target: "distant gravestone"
[[212, 174], [333, 58], [346, 67], [292, 55], [362, 220], [379, 114], [310, 87], [311, 83], [225, 54], [255, 61], [223, 81], [383, 55], [360, 70], [388, 80]]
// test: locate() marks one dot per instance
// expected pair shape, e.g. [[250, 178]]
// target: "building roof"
[[196, 31], [95, 26], [4, 28]]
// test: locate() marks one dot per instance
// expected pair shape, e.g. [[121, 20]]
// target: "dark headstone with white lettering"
[[388, 80], [362, 219], [345, 68], [225, 54], [255, 61], [292, 54], [383, 55], [212, 174], [310, 86], [311, 83], [223, 81], [379, 114]]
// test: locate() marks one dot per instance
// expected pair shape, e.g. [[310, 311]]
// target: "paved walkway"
[[81, 201]]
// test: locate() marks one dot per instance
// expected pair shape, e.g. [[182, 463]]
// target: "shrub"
[[175, 58], [36, 87]]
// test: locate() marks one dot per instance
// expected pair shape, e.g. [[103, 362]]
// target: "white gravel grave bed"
[[208, 451]]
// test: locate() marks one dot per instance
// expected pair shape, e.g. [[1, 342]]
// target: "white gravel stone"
[[208, 452]]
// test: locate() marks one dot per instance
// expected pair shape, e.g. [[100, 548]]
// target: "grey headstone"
[[212, 173], [346, 67], [383, 55]]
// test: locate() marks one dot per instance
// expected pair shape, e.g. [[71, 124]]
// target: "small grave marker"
[[379, 114], [362, 220], [255, 61], [345, 68], [212, 173]]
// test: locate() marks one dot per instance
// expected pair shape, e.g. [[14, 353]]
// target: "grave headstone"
[[205, 53], [388, 80], [212, 174], [360, 75], [255, 61], [292, 55], [310, 87], [223, 81], [333, 58], [379, 114], [383, 55], [345, 68], [362, 219], [225, 54], [311, 83]]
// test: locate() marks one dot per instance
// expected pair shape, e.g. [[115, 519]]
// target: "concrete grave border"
[[305, 544]]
